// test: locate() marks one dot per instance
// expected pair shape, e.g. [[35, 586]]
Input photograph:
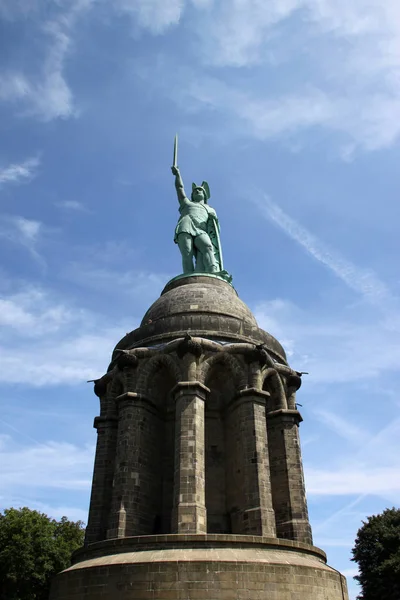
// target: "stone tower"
[[198, 490]]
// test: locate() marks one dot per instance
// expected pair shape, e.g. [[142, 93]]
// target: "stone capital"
[[190, 388], [253, 392], [103, 422], [253, 395], [131, 398], [285, 415]]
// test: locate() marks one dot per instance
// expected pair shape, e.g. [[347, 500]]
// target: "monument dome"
[[203, 306]]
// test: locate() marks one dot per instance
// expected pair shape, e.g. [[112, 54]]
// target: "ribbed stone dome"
[[204, 306], [199, 295]]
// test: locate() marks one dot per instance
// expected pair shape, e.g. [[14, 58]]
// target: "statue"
[[197, 231]]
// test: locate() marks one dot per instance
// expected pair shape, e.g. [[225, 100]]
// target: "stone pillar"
[[133, 511], [189, 513], [287, 479], [103, 473], [249, 485]]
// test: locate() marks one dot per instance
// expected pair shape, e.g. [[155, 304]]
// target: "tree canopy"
[[377, 552], [33, 548]]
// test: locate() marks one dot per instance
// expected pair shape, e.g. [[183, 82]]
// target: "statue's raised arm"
[[180, 190]]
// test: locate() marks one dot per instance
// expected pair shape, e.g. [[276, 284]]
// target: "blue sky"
[[291, 110]]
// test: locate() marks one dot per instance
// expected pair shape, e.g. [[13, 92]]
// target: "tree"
[[33, 548], [377, 552]]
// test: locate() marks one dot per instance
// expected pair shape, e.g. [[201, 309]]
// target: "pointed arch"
[[149, 368], [115, 388], [272, 383], [230, 362]]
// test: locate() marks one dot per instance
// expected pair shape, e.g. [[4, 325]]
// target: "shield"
[[213, 232]]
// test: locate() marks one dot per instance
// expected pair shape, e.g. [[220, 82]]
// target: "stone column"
[[288, 490], [189, 513], [103, 473], [249, 485], [132, 506]]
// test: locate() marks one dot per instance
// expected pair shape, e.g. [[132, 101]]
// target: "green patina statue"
[[197, 231]]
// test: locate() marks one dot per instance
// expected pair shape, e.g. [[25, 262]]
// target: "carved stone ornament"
[[259, 354], [189, 346], [100, 385], [126, 360]]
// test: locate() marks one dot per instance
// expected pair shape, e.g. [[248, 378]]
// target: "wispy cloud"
[[334, 348], [381, 481], [71, 344], [47, 95], [132, 283], [21, 172], [22, 231], [15, 9], [72, 205], [32, 313], [341, 426], [50, 465], [362, 281], [154, 15], [336, 48]]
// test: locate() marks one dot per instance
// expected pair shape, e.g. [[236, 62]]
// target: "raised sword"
[[175, 162]]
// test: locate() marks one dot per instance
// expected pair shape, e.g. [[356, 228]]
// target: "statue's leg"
[[205, 247], [199, 263], [185, 243]]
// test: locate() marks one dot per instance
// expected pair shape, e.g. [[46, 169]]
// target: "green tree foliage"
[[33, 548], [377, 552]]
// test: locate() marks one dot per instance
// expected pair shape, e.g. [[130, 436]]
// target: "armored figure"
[[197, 231]]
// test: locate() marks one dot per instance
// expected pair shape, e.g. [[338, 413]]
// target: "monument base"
[[223, 275], [199, 567]]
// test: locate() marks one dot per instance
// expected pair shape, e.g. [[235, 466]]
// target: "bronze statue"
[[197, 231]]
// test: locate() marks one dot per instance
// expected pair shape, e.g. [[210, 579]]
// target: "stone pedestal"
[[200, 567], [195, 431]]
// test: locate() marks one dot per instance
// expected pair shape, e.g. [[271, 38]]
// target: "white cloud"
[[31, 313], [154, 15], [58, 465], [54, 511], [349, 58], [47, 95], [350, 572], [381, 481], [28, 228], [14, 9], [141, 284], [73, 205], [341, 426], [238, 31], [19, 172], [25, 232], [14, 86], [68, 359], [349, 346], [70, 345], [362, 281]]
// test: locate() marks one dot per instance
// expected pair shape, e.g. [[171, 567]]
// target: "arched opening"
[[273, 385], [278, 456], [222, 390], [159, 451]]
